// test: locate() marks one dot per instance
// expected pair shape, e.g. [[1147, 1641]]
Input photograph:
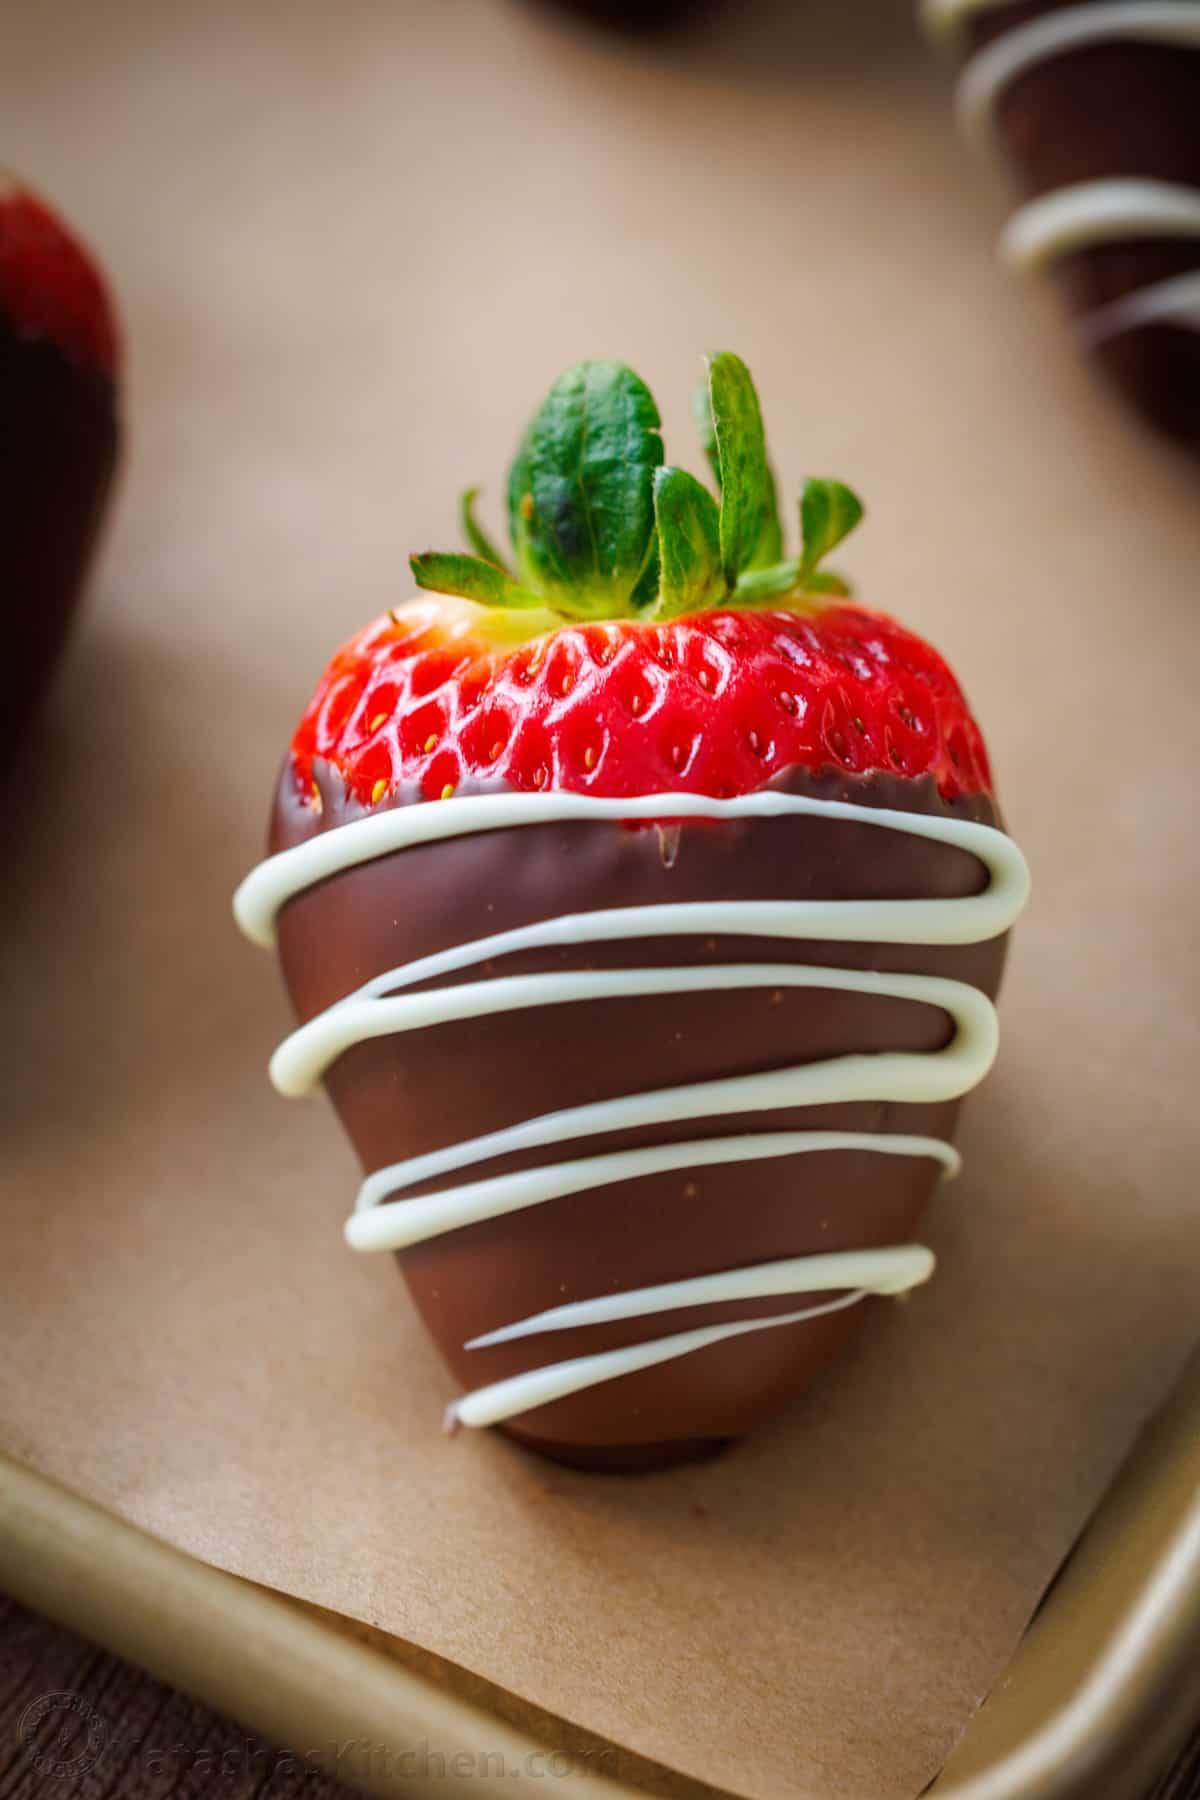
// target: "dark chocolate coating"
[[58, 452], [628, 15], [1119, 108], [402, 1096]]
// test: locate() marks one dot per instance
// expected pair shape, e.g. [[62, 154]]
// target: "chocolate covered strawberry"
[[642, 900], [630, 15], [1095, 107], [59, 355]]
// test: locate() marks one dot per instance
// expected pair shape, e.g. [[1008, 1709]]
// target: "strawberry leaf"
[[760, 587], [825, 581], [472, 579], [829, 511], [581, 491], [689, 545], [702, 413], [750, 534], [520, 511], [602, 529], [474, 533], [645, 594]]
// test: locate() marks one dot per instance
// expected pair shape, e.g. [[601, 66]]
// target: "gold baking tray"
[[1103, 1689]]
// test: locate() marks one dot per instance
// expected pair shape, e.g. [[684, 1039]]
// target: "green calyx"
[[602, 528]]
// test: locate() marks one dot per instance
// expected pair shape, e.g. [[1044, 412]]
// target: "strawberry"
[[717, 704], [1094, 109], [59, 356], [631, 15], [50, 288], [748, 1028], [649, 699]]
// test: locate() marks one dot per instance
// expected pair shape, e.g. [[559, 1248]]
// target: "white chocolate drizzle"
[[1099, 212], [998, 64], [1175, 301], [395, 1226], [1087, 213], [905, 1267], [381, 1221], [859, 1271]]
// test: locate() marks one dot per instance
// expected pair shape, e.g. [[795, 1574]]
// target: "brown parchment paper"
[[354, 243]]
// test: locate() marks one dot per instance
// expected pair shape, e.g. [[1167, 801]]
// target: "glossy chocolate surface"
[[399, 1096], [1112, 109], [58, 452], [629, 15]]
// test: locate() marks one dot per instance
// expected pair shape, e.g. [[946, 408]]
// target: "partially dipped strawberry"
[[641, 900], [1094, 106], [631, 15], [59, 354]]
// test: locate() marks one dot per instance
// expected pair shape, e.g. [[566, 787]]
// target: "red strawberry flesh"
[[49, 286], [717, 703]]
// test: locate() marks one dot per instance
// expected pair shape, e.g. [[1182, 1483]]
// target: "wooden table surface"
[[75, 1721], [129, 1737]]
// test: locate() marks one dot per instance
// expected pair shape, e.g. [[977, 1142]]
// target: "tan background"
[[353, 244]]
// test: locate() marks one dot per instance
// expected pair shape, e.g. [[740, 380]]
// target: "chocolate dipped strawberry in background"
[[642, 904], [59, 354], [629, 15], [1096, 108]]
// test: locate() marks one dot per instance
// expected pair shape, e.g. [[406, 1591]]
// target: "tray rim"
[[1104, 1686], [254, 1654]]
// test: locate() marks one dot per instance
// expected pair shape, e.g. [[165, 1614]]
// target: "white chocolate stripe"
[[1099, 212], [280, 878], [1092, 212], [662, 1106], [994, 67], [1175, 301], [538, 1387], [969, 919], [891, 1271], [304, 1057], [395, 1226], [379, 1009]]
